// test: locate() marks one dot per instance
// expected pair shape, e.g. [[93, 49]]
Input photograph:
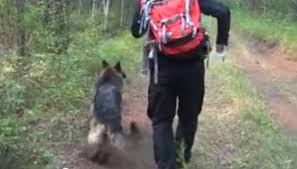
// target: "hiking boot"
[[187, 156], [180, 161]]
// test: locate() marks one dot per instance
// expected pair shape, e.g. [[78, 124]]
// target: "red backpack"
[[175, 24]]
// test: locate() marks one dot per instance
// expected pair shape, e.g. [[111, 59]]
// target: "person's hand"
[[220, 48], [221, 51]]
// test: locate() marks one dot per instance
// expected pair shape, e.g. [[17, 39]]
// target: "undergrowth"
[[48, 105], [255, 132], [269, 28]]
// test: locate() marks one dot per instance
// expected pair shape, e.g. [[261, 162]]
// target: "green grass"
[[257, 135], [269, 28], [50, 103]]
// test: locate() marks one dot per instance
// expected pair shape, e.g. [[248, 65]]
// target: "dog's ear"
[[105, 64], [118, 67], [124, 75]]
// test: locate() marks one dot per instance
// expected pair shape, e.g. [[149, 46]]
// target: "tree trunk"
[[122, 13], [93, 8], [21, 36], [80, 6], [61, 27], [106, 4], [295, 9]]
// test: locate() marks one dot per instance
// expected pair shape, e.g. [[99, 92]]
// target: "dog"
[[106, 118]]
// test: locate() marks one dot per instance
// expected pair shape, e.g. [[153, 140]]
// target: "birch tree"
[[122, 13], [93, 8], [106, 5]]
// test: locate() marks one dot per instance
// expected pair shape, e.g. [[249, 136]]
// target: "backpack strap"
[[188, 16], [146, 7]]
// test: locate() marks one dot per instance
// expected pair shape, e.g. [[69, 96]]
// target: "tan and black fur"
[[106, 118]]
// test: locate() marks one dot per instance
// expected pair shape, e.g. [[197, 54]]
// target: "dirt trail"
[[138, 153], [274, 77], [215, 147]]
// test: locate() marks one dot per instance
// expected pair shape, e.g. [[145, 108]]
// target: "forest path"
[[137, 155], [216, 147], [275, 77]]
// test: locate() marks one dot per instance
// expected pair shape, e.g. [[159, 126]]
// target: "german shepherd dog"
[[105, 122]]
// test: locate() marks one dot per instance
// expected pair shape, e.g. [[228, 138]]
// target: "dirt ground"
[[138, 154], [275, 79], [274, 76]]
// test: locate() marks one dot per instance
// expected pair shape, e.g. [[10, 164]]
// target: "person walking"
[[177, 69]]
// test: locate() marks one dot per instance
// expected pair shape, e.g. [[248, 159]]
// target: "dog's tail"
[[134, 129]]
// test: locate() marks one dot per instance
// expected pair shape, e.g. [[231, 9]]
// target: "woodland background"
[[50, 54]]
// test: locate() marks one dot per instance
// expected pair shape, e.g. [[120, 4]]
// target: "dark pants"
[[180, 84]]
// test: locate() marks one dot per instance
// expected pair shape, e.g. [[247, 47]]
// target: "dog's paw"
[[101, 157], [118, 141]]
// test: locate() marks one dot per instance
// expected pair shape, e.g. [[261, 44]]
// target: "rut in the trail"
[[269, 71], [138, 154]]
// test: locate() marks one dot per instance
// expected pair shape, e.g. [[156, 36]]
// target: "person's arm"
[[136, 23], [223, 15]]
